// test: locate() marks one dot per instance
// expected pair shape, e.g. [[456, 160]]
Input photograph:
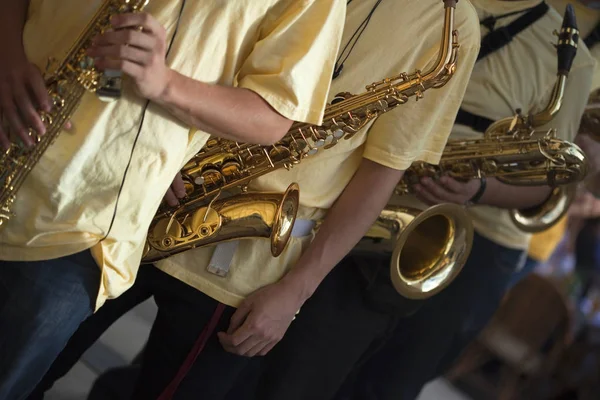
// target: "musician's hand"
[[261, 320], [446, 190], [22, 94], [139, 54], [176, 191]]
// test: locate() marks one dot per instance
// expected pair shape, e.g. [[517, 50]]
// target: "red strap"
[[208, 330]]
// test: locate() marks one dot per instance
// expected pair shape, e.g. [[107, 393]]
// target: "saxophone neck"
[[445, 66], [566, 48]]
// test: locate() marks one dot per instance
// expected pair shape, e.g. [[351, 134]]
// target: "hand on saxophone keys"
[[137, 46], [176, 191], [446, 190], [23, 99]]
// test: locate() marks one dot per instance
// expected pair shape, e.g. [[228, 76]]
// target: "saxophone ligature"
[[218, 206], [66, 84]]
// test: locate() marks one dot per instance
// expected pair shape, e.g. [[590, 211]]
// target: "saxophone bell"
[[430, 247], [247, 215]]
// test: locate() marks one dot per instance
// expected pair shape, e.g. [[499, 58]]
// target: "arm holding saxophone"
[[22, 89], [228, 112], [496, 193], [231, 113], [264, 317]]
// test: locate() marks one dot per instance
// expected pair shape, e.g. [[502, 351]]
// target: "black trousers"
[[183, 313], [349, 344]]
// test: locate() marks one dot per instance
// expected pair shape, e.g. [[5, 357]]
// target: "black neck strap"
[[498, 38], [593, 38], [494, 41]]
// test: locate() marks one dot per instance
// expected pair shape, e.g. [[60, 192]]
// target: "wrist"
[[476, 198], [301, 283], [166, 96]]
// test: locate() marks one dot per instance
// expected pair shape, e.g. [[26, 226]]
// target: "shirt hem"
[[211, 290], [18, 253], [286, 108], [401, 163]]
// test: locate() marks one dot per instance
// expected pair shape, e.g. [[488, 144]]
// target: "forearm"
[[231, 113], [346, 223], [498, 194], [12, 21]]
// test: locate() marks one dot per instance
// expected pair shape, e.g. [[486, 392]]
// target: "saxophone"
[[66, 85], [218, 206], [430, 247]]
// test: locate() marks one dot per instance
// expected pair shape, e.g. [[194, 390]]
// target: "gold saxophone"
[[66, 85], [430, 247], [218, 207]]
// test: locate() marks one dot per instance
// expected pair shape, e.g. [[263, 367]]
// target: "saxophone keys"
[[205, 222], [210, 176], [231, 168], [312, 151], [46, 118], [332, 144], [338, 133], [279, 153]]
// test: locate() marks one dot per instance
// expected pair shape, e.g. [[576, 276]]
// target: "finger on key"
[[38, 88], [16, 125], [27, 110]]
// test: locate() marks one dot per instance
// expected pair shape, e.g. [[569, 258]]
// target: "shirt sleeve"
[[579, 84], [419, 130], [292, 63]]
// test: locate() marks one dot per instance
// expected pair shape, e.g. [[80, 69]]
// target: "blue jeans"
[[41, 305], [424, 345]]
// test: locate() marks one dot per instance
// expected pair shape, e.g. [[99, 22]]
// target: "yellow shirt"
[[414, 131], [522, 75], [282, 49]]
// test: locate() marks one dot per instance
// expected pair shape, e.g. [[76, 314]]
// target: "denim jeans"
[[183, 312], [41, 305]]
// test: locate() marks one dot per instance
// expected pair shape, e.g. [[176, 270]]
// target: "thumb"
[[238, 317]]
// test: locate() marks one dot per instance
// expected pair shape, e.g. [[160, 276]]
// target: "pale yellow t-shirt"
[[402, 36], [522, 75], [282, 49]]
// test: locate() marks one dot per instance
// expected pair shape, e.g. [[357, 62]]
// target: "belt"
[[221, 259]]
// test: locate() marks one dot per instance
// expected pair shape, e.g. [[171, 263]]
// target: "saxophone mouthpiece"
[[450, 3], [568, 40]]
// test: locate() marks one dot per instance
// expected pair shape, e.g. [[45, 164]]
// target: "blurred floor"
[[120, 344]]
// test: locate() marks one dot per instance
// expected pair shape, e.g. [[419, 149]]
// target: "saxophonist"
[[544, 243], [241, 70], [519, 74], [351, 182]]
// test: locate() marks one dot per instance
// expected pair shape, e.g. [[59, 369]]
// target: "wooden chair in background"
[[526, 337]]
